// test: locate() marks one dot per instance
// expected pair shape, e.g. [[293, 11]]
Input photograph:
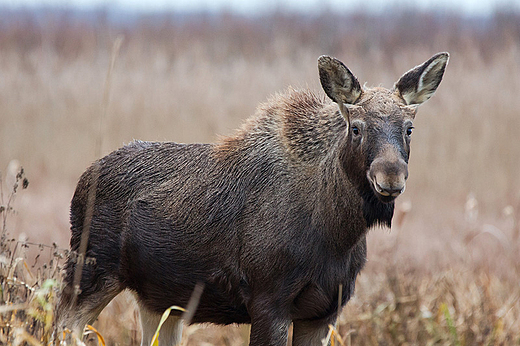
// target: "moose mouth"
[[385, 194]]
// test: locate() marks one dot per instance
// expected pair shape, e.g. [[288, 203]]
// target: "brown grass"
[[447, 273]]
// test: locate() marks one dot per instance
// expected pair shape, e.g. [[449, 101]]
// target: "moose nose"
[[388, 178]]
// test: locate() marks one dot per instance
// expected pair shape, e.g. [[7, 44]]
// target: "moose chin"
[[272, 221]]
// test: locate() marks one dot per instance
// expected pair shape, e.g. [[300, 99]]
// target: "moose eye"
[[355, 130], [409, 131]]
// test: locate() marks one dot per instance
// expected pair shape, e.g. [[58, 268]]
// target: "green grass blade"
[[165, 315]]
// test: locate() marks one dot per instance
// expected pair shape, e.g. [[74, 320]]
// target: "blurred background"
[[81, 78]]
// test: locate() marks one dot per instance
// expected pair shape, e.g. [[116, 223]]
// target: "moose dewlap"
[[271, 220]]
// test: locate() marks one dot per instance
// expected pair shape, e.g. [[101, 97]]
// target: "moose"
[[272, 220]]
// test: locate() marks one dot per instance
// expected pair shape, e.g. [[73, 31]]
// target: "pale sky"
[[470, 7]]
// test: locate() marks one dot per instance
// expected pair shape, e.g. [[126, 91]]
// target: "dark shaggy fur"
[[272, 220]]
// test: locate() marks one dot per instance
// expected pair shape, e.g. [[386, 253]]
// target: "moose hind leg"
[[170, 333]]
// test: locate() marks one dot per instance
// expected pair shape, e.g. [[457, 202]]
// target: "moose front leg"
[[269, 332], [310, 333], [269, 324]]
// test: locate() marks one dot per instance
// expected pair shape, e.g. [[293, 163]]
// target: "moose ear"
[[337, 80], [418, 85]]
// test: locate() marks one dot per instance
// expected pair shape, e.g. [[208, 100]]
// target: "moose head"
[[380, 121]]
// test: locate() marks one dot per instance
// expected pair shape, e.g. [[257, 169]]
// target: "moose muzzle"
[[388, 177]]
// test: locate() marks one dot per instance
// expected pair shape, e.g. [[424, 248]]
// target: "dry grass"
[[447, 273]]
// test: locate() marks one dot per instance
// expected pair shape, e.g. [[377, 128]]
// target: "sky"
[[469, 7]]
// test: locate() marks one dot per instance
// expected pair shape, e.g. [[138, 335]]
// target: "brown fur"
[[303, 126], [271, 220]]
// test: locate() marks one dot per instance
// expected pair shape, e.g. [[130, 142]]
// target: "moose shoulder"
[[271, 220]]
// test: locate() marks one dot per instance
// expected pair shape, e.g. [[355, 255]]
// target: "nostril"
[[381, 190]]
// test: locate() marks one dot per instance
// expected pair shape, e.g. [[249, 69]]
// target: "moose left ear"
[[418, 85]]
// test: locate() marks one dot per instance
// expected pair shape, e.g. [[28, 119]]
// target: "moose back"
[[271, 220]]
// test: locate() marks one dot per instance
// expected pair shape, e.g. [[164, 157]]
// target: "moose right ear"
[[337, 81]]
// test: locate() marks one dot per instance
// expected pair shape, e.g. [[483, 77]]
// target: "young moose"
[[271, 221]]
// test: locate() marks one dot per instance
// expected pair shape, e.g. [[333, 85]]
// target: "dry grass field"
[[447, 273]]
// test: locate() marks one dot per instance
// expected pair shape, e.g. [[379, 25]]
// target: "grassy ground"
[[447, 273]]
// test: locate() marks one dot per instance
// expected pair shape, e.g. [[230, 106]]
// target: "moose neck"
[[352, 206]]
